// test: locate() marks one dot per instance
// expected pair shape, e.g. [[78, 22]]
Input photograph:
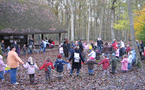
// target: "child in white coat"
[[31, 66], [2, 68]]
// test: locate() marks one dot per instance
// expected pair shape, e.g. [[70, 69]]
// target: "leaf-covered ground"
[[134, 79]]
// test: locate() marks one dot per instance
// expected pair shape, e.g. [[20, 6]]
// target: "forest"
[[85, 20]]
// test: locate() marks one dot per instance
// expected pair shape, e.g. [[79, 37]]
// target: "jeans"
[[1, 74], [78, 71], [40, 49], [44, 48], [90, 71], [48, 75], [24, 52], [113, 69], [13, 75], [129, 66], [107, 55]]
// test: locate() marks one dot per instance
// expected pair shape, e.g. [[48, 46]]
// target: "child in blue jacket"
[[59, 66]]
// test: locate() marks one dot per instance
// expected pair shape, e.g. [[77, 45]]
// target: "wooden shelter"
[[20, 18]]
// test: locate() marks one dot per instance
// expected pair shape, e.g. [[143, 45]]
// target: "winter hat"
[[76, 47], [92, 58], [30, 60], [59, 56], [1, 57], [113, 54]]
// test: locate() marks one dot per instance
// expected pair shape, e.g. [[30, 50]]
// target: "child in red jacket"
[[105, 63], [48, 65]]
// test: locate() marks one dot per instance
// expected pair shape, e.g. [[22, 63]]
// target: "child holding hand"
[[48, 65], [31, 66], [106, 64]]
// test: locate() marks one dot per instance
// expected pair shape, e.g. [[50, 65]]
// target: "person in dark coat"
[[76, 65], [121, 53], [99, 43], [16, 46], [65, 49], [141, 48], [80, 45]]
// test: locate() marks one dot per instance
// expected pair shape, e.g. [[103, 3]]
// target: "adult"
[[106, 49], [13, 61], [122, 45], [101, 41], [65, 49], [80, 45], [76, 58], [16, 46], [3, 46], [98, 43]]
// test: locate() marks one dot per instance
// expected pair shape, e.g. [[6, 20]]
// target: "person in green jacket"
[[114, 61]]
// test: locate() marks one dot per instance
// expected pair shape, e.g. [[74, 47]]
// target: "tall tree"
[[138, 59], [72, 20], [112, 19]]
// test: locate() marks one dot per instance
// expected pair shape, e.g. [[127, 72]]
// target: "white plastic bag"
[[68, 66]]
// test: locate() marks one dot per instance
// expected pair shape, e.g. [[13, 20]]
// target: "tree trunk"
[[89, 23], [112, 19], [138, 59], [72, 20]]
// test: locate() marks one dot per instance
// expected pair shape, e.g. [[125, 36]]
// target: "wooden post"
[[59, 38], [42, 36]]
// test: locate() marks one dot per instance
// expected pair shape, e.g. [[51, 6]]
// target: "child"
[[84, 54], [117, 53], [2, 68], [128, 49], [59, 66], [124, 63], [90, 47], [90, 64], [30, 65], [24, 48], [105, 63], [48, 65], [129, 60], [92, 54], [114, 61], [19, 50]]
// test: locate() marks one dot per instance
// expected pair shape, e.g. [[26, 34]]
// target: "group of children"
[[31, 66], [94, 58]]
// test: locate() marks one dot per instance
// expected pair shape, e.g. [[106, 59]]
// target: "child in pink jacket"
[[2, 68], [106, 64], [124, 62], [30, 65]]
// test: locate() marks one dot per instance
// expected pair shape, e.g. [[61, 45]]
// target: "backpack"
[[59, 66], [76, 57]]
